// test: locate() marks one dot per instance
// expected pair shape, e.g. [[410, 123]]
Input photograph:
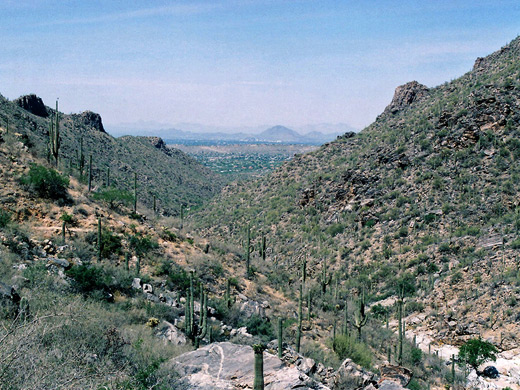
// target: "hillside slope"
[[425, 199], [172, 176]]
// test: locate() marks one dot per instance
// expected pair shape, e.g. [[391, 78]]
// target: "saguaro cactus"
[[135, 192], [258, 383], [324, 279], [90, 173], [400, 324], [280, 336], [299, 330], [196, 332], [54, 136], [248, 249], [360, 317], [263, 247], [99, 238]]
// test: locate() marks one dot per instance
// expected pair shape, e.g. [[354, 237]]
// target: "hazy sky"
[[236, 63]]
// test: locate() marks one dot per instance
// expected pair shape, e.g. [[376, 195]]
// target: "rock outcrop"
[[9, 301], [33, 104], [405, 95], [220, 366], [90, 119]]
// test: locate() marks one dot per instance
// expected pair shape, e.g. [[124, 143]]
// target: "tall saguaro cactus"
[[299, 330], [196, 332], [54, 136], [360, 317], [258, 383], [248, 249], [90, 173], [400, 324], [280, 337], [99, 239], [324, 279], [135, 192]]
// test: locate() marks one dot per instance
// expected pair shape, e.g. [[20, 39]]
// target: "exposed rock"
[[91, 119], [352, 374], [169, 332], [230, 366], [250, 308], [147, 288], [405, 95], [490, 372], [9, 301], [398, 374], [387, 384], [58, 262], [33, 104], [157, 142], [136, 283]]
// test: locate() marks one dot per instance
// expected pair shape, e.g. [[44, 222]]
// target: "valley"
[[242, 160], [385, 259]]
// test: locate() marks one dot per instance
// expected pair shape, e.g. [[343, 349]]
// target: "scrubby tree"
[[477, 351]]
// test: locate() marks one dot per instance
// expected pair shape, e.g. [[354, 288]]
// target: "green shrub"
[[257, 326], [5, 218], [349, 347], [46, 182], [114, 197], [477, 351]]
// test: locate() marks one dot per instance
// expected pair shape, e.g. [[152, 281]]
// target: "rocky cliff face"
[[33, 104]]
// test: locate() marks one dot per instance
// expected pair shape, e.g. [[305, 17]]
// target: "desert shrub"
[[257, 326], [46, 182], [350, 347], [100, 282], [477, 351], [114, 198], [142, 244], [5, 218]]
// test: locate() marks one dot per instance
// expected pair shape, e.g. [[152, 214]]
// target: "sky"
[[241, 63]]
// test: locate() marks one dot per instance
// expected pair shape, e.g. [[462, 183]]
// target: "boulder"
[[33, 104], [136, 283], [62, 263], [147, 288], [396, 374], [250, 308], [350, 374], [226, 366], [169, 332], [390, 385], [491, 372]]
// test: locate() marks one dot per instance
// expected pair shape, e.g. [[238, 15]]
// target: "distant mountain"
[[316, 134], [280, 134]]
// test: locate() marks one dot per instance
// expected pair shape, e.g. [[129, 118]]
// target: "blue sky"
[[241, 63]]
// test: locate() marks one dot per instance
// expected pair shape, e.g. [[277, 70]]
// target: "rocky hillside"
[[171, 176], [425, 199], [94, 295]]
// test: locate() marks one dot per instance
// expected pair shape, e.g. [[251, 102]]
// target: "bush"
[[46, 182], [5, 218], [260, 327], [114, 197], [477, 351], [349, 347]]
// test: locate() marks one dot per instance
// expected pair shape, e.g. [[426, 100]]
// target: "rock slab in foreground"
[[227, 366]]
